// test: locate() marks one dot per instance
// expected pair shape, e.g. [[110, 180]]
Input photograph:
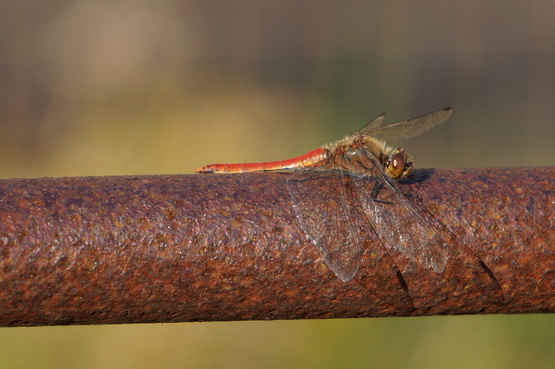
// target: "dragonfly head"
[[399, 164]]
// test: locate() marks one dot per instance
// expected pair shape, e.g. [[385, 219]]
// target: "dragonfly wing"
[[373, 125], [388, 212], [415, 240], [325, 220], [402, 228], [408, 128]]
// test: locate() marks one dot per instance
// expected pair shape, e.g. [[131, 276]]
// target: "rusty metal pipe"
[[102, 250]]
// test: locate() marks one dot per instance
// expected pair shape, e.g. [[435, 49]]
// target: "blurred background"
[[91, 87]]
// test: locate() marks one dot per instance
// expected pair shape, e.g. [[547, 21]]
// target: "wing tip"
[[448, 110]]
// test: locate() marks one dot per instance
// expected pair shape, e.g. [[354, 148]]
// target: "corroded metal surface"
[[229, 247]]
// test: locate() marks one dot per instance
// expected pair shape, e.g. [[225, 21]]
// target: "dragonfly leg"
[[374, 193]]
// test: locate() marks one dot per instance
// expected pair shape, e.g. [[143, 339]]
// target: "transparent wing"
[[397, 223], [373, 125], [388, 212], [334, 222], [413, 237], [405, 129], [327, 225]]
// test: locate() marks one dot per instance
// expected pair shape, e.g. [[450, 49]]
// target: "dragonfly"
[[397, 164], [365, 171]]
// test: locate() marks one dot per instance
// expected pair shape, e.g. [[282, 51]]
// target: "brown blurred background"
[[90, 87]]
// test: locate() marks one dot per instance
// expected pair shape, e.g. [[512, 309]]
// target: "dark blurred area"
[[138, 87]]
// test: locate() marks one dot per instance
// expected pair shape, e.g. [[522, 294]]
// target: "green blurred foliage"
[[134, 87]]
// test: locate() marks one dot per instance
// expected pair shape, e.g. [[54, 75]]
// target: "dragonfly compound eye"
[[399, 165]]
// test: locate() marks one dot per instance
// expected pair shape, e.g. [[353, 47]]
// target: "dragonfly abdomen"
[[311, 159]]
